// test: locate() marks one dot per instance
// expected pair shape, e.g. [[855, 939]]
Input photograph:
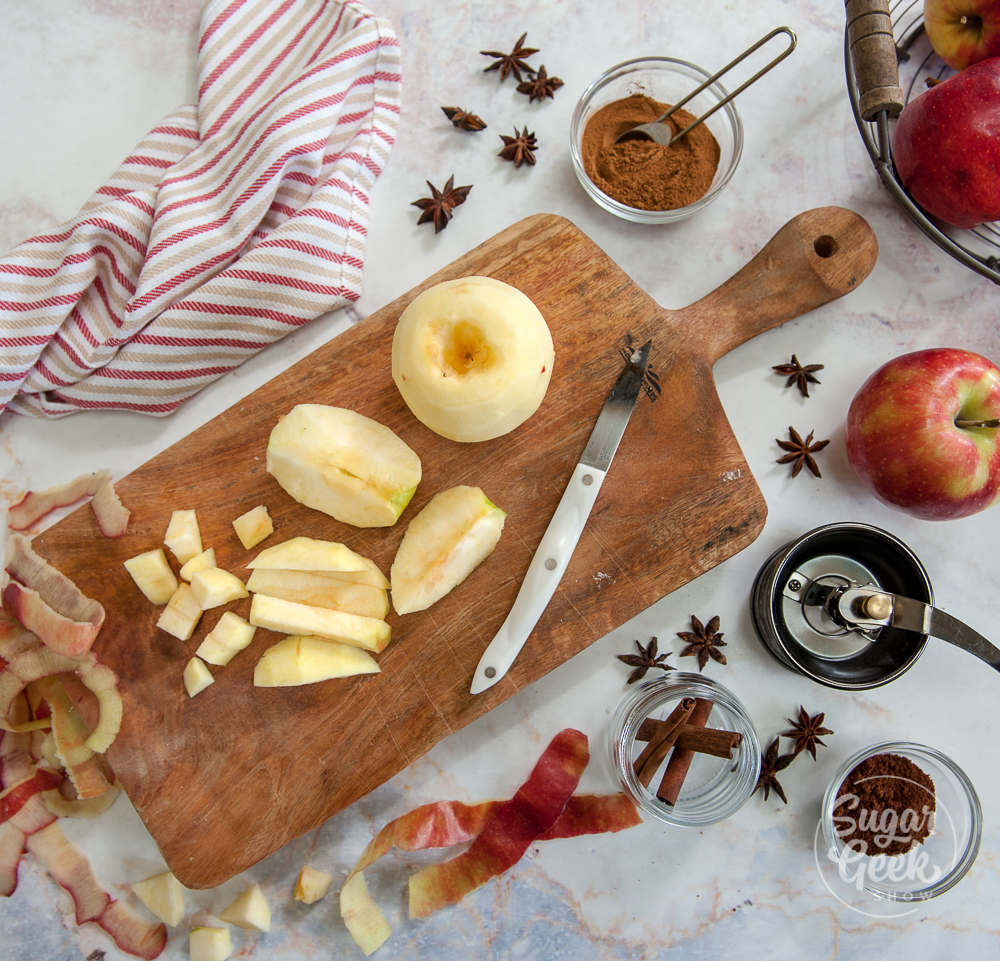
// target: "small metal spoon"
[[664, 134]]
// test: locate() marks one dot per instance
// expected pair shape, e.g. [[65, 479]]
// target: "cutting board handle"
[[816, 257]]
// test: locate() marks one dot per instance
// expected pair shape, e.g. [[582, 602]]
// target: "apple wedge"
[[152, 575], [454, 533], [306, 660], [344, 464], [288, 617], [308, 554], [164, 896], [253, 526], [183, 536], [320, 590], [196, 677], [210, 944]]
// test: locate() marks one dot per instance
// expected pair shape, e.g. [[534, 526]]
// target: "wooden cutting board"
[[225, 778]]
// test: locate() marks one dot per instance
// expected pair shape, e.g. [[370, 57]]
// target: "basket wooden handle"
[[873, 50]]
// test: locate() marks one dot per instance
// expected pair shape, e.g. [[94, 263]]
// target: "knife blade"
[[561, 536]]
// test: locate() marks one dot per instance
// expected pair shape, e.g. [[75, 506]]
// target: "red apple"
[[922, 433], [963, 32], [946, 146]]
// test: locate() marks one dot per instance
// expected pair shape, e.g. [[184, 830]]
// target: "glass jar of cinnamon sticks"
[[684, 748]]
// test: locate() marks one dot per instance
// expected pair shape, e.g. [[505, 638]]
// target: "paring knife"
[[561, 536]]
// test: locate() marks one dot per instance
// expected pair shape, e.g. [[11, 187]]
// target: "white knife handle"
[[543, 575]]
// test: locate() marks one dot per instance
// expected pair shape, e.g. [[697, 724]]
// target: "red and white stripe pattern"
[[233, 222]]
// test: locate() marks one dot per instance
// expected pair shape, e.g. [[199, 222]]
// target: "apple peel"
[[447, 823], [11, 849], [72, 871], [13, 798], [48, 603], [36, 504], [111, 514], [90, 807]]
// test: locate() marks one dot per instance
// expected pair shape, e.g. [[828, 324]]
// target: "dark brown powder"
[[885, 805], [642, 173]]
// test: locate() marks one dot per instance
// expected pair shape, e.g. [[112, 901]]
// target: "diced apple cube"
[[181, 615], [318, 589], [311, 885], [287, 617], [230, 636], [250, 910], [164, 896], [200, 562], [253, 526], [215, 586], [210, 944], [306, 660], [196, 677], [183, 537], [152, 575]]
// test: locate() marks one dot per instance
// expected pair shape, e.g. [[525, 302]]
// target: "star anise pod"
[[807, 731], [512, 62], [646, 659], [703, 640], [798, 374], [440, 204], [770, 765], [800, 451], [520, 148], [540, 86], [463, 119]]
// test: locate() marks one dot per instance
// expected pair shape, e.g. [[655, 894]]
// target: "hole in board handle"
[[825, 246]]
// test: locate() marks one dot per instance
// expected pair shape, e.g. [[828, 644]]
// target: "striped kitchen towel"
[[234, 221]]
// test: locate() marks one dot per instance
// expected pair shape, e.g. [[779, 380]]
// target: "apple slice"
[[215, 587], [164, 896], [152, 575], [320, 590], [308, 554], [183, 537], [230, 636], [250, 910], [311, 885], [210, 944], [454, 533], [287, 617], [253, 526], [200, 562], [196, 677], [306, 660], [344, 464], [181, 615]]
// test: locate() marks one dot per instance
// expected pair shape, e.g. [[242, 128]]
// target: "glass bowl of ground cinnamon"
[[901, 822], [640, 180]]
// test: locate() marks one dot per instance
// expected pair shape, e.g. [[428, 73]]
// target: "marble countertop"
[[82, 82]]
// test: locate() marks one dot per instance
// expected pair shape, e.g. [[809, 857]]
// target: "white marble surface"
[[82, 81]]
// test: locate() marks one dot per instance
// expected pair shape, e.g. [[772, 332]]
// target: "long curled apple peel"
[[448, 823], [112, 516]]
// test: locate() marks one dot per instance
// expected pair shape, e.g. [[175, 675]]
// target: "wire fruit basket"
[[888, 61]]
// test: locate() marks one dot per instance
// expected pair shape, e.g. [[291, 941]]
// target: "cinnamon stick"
[[681, 758], [657, 749], [701, 740]]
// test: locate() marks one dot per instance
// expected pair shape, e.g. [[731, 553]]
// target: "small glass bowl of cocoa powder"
[[901, 822], [640, 180]]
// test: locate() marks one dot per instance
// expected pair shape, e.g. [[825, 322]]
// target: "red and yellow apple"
[[472, 358], [963, 32], [923, 433], [946, 146]]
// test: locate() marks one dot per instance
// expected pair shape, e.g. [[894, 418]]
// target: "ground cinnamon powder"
[[894, 806], [642, 173]]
